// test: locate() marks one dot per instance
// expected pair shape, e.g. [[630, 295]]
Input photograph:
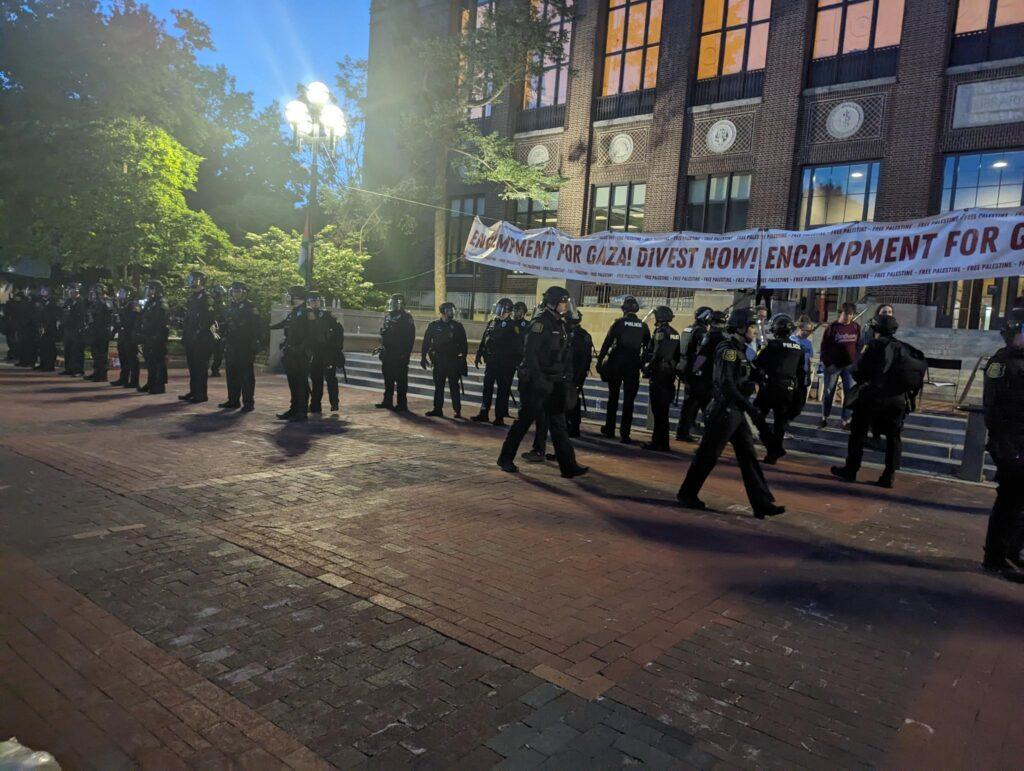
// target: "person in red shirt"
[[838, 354]]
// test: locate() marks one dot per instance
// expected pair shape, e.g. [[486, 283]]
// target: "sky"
[[270, 46]]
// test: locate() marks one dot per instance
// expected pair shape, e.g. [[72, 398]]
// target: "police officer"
[[154, 329], [619, 363], [661, 358], [875, 401], [1004, 417], [698, 367], [197, 337], [218, 297], [519, 313], [241, 335], [96, 331], [328, 348], [582, 346], [49, 329], [126, 326], [72, 319], [22, 320], [445, 348], [783, 388], [546, 385], [726, 422], [397, 338], [500, 349], [296, 350]]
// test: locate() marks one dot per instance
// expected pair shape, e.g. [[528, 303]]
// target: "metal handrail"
[[970, 381]]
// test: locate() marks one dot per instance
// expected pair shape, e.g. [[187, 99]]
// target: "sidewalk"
[[371, 589]]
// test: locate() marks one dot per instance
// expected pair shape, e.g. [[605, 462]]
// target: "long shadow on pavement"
[[204, 423], [296, 439]]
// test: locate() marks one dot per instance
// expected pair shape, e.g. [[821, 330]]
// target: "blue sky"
[[272, 45]]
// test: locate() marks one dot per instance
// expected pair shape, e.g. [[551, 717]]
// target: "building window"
[[855, 40], [734, 37], [834, 194], [551, 86], [631, 46], [988, 30], [461, 212], [533, 213], [717, 204], [475, 15], [618, 207]]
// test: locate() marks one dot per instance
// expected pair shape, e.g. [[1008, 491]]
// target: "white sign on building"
[[989, 102]]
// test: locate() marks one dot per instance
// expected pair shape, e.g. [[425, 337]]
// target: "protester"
[[802, 337], [838, 354]]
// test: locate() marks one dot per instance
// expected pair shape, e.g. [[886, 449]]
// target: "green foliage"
[[491, 158]]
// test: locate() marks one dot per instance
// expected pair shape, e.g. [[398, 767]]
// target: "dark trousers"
[[241, 381], [396, 378], [99, 359], [447, 372], [197, 354], [540, 432], [296, 367], [574, 417], [778, 402], [626, 378], [28, 348], [888, 416], [156, 370], [533, 404], [218, 356], [498, 373], [319, 372], [128, 354], [661, 394], [697, 398], [48, 352], [12, 346], [74, 355], [1005, 535], [722, 427]]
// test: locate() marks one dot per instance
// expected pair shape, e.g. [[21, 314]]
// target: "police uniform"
[[660, 367], [446, 348], [726, 423], [1004, 417], [582, 346], [397, 337], [126, 325], [782, 392], [217, 351], [96, 333], [328, 344], [620, 361], [500, 351], [49, 327], [28, 334], [197, 337], [697, 390], [296, 351], [545, 379], [241, 337], [72, 319], [154, 329]]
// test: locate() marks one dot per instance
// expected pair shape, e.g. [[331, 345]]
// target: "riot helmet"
[[519, 310], [575, 317], [703, 314], [554, 295], [630, 304], [218, 292], [314, 298], [663, 314], [154, 290], [447, 310], [196, 279], [396, 303], [718, 319], [503, 307], [1013, 325], [125, 294], [237, 291], [96, 292], [884, 325], [740, 319], [297, 294], [782, 326], [73, 290]]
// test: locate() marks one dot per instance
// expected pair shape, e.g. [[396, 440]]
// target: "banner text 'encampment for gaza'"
[[976, 243]]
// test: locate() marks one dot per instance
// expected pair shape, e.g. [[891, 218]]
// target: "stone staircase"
[[932, 442]]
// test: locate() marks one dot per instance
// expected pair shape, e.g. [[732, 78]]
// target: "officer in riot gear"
[[545, 380], [445, 349], [726, 422], [697, 367], [96, 331], [397, 339], [328, 355], [783, 390], [661, 359], [1004, 417], [619, 364], [520, 310], [72, 319], [154, 329], [49, 329], [126, 326], [27, 320], [296, 352], [582, 347], [241, 335], [197, 337], [877, 400], [218, 297], [500, 349]]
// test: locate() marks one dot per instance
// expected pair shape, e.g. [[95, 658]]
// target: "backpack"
[[906, 372]]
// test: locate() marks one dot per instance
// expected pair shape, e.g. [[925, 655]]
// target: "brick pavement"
[[367, 589]]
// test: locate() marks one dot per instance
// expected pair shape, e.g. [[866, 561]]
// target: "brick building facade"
[[729, 114]]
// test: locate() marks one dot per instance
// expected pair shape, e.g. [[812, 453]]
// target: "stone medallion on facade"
[[539, 155], [844, 120], [721, 136], [620, 147], [542, 155]]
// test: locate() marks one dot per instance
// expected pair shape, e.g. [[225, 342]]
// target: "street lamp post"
[[317, 122]]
